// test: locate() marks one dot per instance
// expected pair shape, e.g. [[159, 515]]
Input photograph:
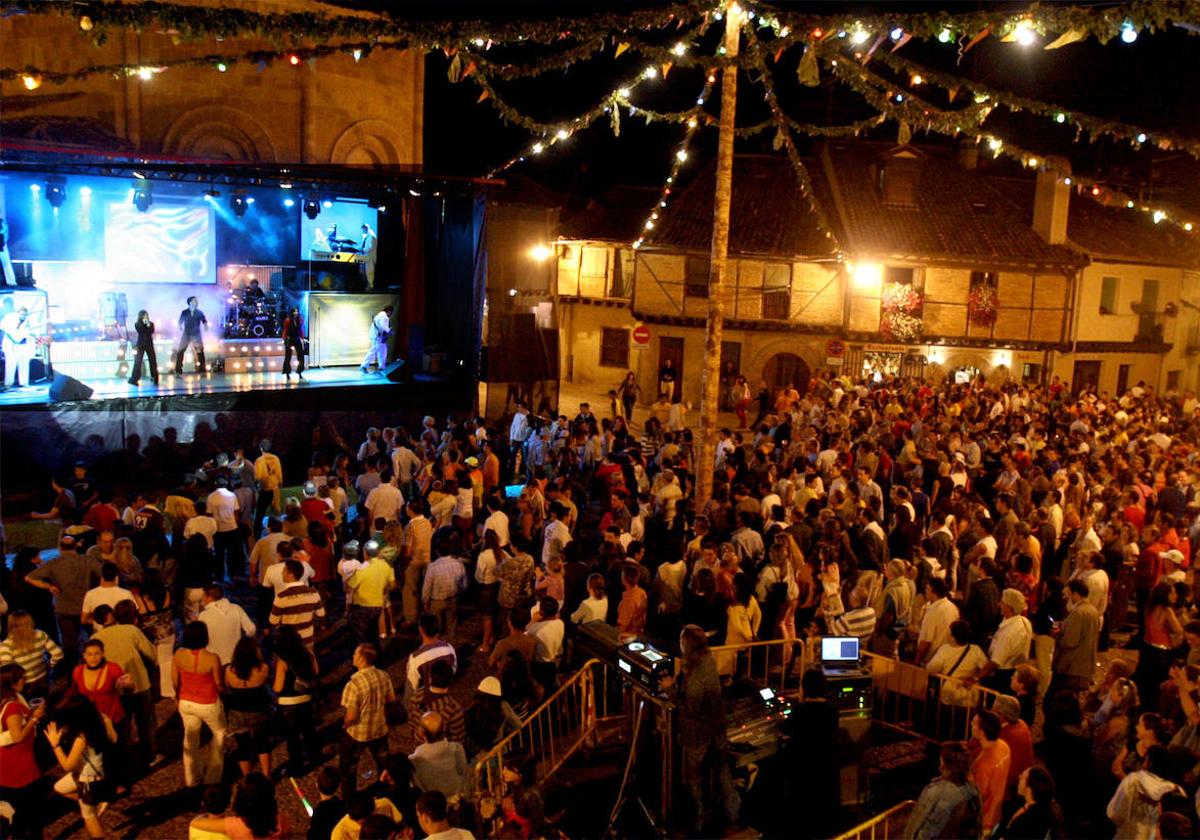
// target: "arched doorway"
[[784, 369]]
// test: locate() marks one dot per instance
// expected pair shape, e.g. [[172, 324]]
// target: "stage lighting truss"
[[56, 191]]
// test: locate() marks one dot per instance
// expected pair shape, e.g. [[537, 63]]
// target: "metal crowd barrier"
[[565, 721], [882, 826]]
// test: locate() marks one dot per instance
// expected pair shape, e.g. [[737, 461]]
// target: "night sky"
[[1149, 83]]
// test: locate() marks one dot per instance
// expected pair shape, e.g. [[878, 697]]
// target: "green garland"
[[1093, 127]]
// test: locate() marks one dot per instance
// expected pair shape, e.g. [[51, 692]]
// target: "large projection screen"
[[339, 326], [167, 243]]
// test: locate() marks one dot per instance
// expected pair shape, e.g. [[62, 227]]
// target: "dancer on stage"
[[369, 246], [19, 345], [145, 347], [293, 338], [191, 324], [381, 328]]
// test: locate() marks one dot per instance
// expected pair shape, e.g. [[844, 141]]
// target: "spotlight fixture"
[[312, 208], [238, 202], [287, 202], [211, 195], [141, 196], [327, 204], [56, 191]]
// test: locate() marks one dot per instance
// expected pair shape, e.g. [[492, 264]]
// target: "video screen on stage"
[[337, 229], [166, 243]]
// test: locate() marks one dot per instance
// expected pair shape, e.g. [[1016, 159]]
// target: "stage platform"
[[249, 385]]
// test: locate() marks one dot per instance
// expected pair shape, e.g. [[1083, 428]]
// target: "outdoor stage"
[[246, 388]]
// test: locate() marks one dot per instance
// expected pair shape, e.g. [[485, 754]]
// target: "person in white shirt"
[[385, 501], [273, 576], [497, 520], [381, 329], [595, 605], [201, 524], [1010, 645], [1091, 572], [518, 433], [547, 631], [226, 622], [555, 535], [940, 613], [960, 659], [222, 506], [108, 592]]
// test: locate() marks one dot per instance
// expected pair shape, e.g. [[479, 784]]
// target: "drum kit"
[[250, 317]]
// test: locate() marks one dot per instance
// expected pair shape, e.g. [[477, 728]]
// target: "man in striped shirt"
[[297, 604]]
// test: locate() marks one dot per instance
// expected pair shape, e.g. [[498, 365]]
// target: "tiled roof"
[[768, 215], [1113, 233], [518, 189], [957, 215], [616, 217]]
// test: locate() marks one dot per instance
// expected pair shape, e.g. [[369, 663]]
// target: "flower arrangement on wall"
[[982, 302], [902, 307]]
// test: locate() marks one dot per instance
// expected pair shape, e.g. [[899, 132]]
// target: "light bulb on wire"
[[1129, 32]]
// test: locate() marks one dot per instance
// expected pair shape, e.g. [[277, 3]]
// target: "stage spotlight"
[[211, 195], [142, 199], [56, 191], [312, 208], [327, 204], [287, 202], [238, 204]]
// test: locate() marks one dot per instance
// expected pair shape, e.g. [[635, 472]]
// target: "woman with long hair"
[[128, 565], [19, 771], [487, 575], [195, 573], [80, 738], [295, 684], [248, 705], [196, 675], [145, 347], [743, 618], [1161, 634], [33, 650], [255, 813], [156, 617]]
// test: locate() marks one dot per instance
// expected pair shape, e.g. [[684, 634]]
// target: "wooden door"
[[1085, 374], [671, 348]]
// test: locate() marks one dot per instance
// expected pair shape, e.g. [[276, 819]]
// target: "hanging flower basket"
[[982, 303], [902, 307]]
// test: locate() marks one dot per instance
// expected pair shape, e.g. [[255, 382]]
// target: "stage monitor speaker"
[[398, 371], [64, 388]]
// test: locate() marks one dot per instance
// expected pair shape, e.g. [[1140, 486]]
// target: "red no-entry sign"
[[641, 334]]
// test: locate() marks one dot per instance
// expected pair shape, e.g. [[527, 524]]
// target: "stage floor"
[[191, 384]]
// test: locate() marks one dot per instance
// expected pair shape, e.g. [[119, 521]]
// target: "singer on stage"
[[293, 338], [145, 347], [191, 324], [19, 346], [381, 329]]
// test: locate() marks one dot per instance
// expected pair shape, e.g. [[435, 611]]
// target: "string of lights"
[[693, 124]]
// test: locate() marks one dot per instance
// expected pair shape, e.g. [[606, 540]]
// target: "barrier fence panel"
[[556, 729], [775, 663], [930, 705], [883, 826]]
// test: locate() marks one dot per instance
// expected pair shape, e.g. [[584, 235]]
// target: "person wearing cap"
[[68, 578], [223, 506], [1014, 732], [313, 508], [488, 719], [1173, 561], [1010, 643], [368, 588]]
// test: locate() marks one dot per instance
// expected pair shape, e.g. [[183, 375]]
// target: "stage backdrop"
[[339, 326]]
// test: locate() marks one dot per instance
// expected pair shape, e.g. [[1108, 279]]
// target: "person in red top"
[[1014, 732], [316, 509], [103, 515], [97, 679], [19, 772], [989, 770]]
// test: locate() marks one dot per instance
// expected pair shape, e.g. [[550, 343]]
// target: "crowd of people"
[[997, 535]]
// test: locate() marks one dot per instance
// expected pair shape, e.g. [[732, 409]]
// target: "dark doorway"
[[672, 348], [1086, 374], [1122, 380], [785, 369]]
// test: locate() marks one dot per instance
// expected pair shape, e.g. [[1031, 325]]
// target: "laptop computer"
[[839, 653]]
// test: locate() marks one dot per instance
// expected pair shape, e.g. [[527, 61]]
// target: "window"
[[893, 274], [622, 281], [1031, 372], [777, 291], [1173, 377], [695, 281], [614, 347], [1108, 295]]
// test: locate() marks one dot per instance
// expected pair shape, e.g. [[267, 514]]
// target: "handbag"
[[955, 693]]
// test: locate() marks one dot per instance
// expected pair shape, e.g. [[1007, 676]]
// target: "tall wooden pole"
[[710, 390]]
